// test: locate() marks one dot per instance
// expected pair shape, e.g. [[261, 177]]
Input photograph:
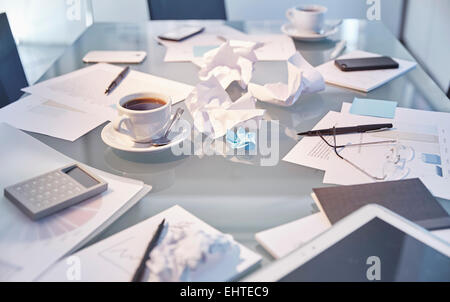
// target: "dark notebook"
[[408, 198]]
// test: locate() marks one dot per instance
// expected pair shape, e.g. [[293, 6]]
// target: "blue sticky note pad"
[[200, 50], [370, 107]]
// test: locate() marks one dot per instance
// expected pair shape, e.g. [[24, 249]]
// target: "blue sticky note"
[[200, 50], [370, 107]]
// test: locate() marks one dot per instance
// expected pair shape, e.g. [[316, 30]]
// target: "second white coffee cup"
[[145, 116], [307, 18]]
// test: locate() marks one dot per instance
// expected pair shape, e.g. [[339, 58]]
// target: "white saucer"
[[290, 30], [122, 142]]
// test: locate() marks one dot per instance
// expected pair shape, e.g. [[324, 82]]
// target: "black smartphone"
[[182, 33], [372, 63]]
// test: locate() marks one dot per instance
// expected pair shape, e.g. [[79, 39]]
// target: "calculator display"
[[82, 177]]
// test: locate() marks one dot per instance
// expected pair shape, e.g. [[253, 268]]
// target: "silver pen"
[[340, 46]]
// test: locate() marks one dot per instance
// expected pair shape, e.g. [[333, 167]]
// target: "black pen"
[[154, 242], [117, 80], [346, 130]]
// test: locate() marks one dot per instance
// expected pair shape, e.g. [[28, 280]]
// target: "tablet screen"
[[375, 251]]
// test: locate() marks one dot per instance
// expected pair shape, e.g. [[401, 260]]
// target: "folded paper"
[[302, 79], [213, 111]]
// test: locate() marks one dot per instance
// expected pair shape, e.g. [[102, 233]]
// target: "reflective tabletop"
[[236, 195]]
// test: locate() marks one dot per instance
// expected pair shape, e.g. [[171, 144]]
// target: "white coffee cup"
[[143, 125], [307, 18]]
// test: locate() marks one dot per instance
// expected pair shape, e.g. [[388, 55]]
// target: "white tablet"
[[371, 244]]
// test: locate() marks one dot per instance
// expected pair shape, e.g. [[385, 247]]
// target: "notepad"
[[408, 197], [371, 107], [366, 80]]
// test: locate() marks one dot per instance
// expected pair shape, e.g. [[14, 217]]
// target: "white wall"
[[275, 10], [137, 10], [427, 35], [120, 10], [46, 21]]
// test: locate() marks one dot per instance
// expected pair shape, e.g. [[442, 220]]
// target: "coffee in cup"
[[143, 104], [145, 116], [307, 18]]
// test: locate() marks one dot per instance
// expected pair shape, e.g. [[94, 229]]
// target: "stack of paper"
[[84, 89], [117, 257], [29, 247], [35, 114], [71, 105], [422, 144], [362, 80]]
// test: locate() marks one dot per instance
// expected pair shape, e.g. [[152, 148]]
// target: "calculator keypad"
[[47, 190]]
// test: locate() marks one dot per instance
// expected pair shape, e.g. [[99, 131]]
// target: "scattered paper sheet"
[[84, 88], [35, 114], [284, 239], [274, 47], [302, 79], [213, 111], [29, 247], [212, 36], [424, 137], [117, 257], [366, 80], [311, 151]]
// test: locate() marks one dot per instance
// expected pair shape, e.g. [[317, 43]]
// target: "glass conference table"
[[239, 197]]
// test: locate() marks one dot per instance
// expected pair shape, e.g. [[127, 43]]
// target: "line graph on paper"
[[122, 255]]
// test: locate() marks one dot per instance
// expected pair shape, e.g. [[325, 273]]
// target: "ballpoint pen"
[[117, 80], [346, 130], [140, 270], [340, 46]]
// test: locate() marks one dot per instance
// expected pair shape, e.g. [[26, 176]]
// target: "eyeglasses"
[[394, 166]]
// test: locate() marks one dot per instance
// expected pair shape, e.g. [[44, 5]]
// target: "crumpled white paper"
[[302, 79], [232, 61], [185, 249], [213, 111]]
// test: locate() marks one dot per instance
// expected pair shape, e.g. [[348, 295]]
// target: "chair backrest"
[[12, 75], [187, 9]]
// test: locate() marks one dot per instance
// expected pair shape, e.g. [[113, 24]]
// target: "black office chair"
[[187, 9], [12, 75]]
